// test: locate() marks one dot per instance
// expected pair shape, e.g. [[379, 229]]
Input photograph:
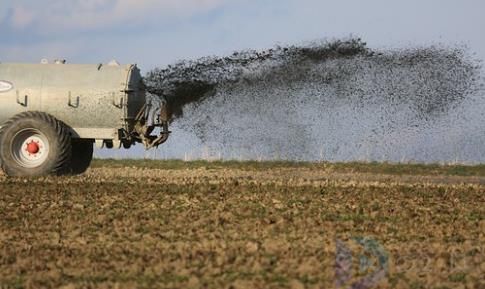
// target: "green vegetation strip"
[[351, 167]]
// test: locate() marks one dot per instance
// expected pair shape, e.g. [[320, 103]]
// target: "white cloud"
[[62, 15]]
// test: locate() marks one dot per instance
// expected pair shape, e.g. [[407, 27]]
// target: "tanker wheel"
[[34, 144], [82, 155]]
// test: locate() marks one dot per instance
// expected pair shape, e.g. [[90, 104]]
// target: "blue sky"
[[152, 33], [158, 32]]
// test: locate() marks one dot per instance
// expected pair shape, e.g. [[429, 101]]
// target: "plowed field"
[[129, 224]]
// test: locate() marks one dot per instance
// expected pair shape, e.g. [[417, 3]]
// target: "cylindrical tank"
[[94, 100], [51, 114]]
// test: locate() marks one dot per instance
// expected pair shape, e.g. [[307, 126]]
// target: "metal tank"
[[102, 103]]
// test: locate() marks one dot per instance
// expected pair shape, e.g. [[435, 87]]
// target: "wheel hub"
[[30, 148], [33, 148]]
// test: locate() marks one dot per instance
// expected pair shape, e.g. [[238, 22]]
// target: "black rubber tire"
[[57, 135], [82, 155]]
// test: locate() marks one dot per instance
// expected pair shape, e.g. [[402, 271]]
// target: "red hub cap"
[[33, 148]]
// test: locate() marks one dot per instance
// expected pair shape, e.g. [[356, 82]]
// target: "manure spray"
[[334, 101]]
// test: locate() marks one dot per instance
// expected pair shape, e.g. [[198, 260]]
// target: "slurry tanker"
[[52, 114]]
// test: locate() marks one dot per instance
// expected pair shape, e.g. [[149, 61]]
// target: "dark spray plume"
[[190, 81], [333, 100]]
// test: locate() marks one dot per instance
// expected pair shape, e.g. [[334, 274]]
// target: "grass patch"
[[457, 278], [351, 167]]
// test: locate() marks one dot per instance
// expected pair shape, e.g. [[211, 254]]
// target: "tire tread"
[[61, 129]]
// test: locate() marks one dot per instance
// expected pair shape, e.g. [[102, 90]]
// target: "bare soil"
[[206, 225]]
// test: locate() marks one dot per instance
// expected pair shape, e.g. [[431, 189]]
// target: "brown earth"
[[240, 227]]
